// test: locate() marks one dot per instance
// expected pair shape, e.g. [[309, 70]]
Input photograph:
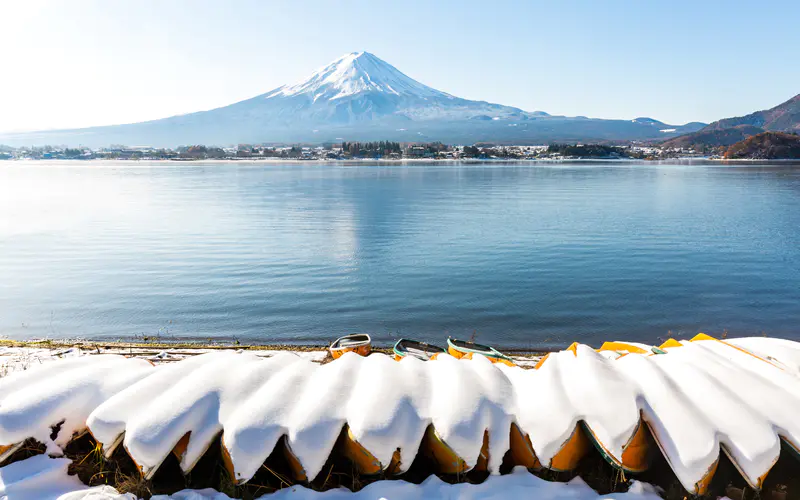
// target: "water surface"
[[515, 255]]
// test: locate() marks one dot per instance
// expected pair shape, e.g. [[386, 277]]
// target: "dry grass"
[[135, 484], [158, 343], [155, 344]]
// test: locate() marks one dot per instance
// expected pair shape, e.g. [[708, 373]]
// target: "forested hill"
[[766, 146], [715, 138]]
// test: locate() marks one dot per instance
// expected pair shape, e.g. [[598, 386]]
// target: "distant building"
[[416, 152]]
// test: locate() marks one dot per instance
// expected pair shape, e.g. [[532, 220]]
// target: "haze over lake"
[[515, 254]]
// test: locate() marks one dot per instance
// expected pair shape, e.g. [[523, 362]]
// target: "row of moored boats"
[[361, 344]]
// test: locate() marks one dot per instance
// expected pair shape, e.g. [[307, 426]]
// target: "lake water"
[[514, 255]]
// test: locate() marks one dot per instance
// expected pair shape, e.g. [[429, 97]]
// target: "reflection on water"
[[515, 254]]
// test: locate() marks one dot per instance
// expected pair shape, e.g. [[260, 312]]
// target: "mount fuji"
[[357, 97]]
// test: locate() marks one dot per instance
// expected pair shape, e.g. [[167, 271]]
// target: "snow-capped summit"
[[355, 73], [360, 87]]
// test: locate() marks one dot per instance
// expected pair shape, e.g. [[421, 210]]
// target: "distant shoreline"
[[355, 161], [88, 344]]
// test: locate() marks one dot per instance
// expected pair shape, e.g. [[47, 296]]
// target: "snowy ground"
[[14, 359], [43, 478]]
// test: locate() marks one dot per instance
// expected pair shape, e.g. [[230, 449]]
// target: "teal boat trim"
[[396, 351], [488, 351], [423, 346]]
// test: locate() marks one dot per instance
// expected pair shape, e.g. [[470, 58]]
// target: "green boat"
[[460, 348], [415, 349]]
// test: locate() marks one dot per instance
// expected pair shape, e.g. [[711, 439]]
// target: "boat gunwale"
[[360, 343], [490, 351], [403, 354]]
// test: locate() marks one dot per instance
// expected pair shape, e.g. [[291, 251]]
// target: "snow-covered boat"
[[634, 453], [416, 349], [359, 343], [699, 400]]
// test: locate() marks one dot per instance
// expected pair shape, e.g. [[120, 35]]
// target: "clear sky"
[[80, 62]]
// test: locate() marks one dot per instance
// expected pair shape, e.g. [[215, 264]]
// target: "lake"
[[517, 255]]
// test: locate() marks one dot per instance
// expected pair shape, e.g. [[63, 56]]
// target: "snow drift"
[[42, 478]]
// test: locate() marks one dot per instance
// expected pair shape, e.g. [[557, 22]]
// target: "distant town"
[[380, 150]]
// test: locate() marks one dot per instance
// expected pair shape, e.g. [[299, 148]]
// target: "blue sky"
[[79, 63]]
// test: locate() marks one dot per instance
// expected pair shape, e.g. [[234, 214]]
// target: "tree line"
[[371, 148]]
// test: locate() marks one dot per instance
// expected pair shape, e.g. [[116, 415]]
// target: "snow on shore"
[[43, 478], [699, 399], [14, 359], [518, 485]]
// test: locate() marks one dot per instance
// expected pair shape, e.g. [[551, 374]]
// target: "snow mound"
[[43, 478], [206, 494], [63, 392], [516, 486], [17, 359]]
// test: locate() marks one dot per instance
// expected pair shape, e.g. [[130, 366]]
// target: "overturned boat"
[[701, 404], [359, 343], [416, 349]]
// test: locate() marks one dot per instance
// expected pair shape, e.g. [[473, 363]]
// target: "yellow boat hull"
[[635, 453], [362, 350], [521, 450], [447, 461], [365, 462], [502, 361], [295, 467], [572, 451]]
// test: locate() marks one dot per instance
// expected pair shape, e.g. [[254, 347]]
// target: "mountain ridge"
[[713, 138], [784, 117], [358, 97]]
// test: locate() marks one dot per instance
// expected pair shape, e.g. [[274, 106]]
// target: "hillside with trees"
[[766, 146], [706, 141]]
